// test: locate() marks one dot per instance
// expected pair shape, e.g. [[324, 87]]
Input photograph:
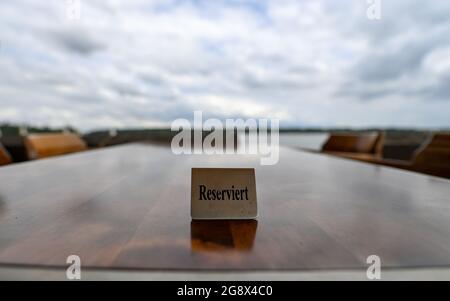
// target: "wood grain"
[[129, 207]]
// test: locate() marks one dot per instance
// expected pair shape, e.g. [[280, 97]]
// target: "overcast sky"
[[146, 63]]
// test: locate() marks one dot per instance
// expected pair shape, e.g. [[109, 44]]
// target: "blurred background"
[[129, 68]]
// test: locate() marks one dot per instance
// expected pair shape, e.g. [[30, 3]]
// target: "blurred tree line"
[[7, 129]]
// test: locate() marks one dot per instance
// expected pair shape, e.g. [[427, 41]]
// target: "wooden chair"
[[46, 145], [432, 158], [5, 158], [15, 146], [355, 146]]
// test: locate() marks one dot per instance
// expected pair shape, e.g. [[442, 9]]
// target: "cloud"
[[146, 63], [76, 41]]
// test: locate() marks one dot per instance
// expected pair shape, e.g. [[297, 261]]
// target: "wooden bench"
[[5, 158], [47, 145], [432, 158], [362, 147]]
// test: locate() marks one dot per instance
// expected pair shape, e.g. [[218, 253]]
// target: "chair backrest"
[[5, 158], [15, 146], [47, 145], [434, 157], [370, 143]]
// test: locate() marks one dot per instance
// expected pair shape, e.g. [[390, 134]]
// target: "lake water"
[[312, 141]]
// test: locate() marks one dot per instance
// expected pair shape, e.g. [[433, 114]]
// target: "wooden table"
[[128, 207]]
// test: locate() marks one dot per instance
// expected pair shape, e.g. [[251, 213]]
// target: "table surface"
[[129, 207]]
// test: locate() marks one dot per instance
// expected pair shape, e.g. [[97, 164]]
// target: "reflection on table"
[[223, 235]]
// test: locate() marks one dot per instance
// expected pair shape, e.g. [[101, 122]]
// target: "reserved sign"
[[223, 193]]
